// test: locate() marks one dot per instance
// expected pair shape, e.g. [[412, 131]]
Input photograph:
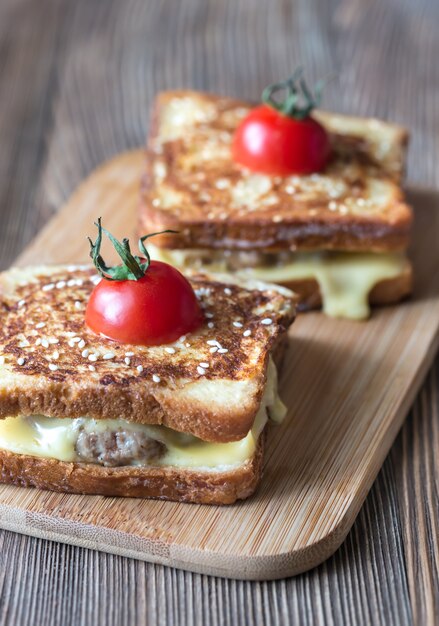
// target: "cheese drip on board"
[[56, 438], [345, 279]]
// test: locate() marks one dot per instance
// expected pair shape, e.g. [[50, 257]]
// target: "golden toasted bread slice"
[[193, 185], [209, 383]]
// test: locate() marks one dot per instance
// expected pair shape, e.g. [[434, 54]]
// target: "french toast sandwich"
[[338, 236], [183, 421]]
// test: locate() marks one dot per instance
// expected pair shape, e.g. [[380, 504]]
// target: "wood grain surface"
[[347, 385], [76, 81]]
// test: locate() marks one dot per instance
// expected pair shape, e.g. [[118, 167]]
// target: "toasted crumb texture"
[[51, 364], [164, 483], [192, 184]]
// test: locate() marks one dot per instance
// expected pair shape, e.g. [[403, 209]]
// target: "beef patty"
[[115, 448]]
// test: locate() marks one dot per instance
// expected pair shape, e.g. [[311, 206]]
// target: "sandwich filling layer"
[[345, 279], [117, 442]]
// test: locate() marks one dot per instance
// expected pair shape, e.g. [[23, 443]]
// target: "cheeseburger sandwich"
[[136, 381], [282, 192]]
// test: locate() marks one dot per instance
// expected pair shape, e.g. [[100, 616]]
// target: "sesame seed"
[[71, 282], [53, 367], [55, 355], [277, 218], [228, 291], [214, 349], [129, 353], [237, 324], [70, 334], [38, 341], [53, 340], [60, 284], [332, 206], [92, 368], [222, 183], [21, 303], [81, 344], [201, 370], [76, 339], [127, 360], [187, 344], [78, 305], [71, 343], [79, 282], [40, 325], [212, 342], [267, 321], [92, 357], [44, 343], [210, 325], [170, 350], [85, 353], [139, 368], [156, 378], [48, 287], [247, 333], [209, 315], [204, 365], [2, 360], [182, 338], [24, 343], [202, 291], [108, 355], [20, 361], [222, 350]]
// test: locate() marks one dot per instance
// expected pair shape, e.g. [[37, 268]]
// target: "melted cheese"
[[345, 278], [54, 438]]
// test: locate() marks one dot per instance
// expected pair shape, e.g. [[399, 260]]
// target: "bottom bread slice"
[[388, 291], [164, 483]]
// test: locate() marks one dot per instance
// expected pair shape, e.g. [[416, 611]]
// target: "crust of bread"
[[164, 483], [285, 224], [387, 291], [347, 233]]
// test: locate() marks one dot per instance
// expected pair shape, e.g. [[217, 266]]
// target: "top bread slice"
[[193, 185], [51, 364]]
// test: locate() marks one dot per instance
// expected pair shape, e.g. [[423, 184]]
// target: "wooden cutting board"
[[348, 386]]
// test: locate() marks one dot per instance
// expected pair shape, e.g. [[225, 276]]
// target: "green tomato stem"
[[299, 100], [133, 267]]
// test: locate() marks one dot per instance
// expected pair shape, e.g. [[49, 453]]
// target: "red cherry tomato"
[[155, 309], [273, 143]]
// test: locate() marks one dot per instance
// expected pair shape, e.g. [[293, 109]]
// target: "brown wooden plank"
[[27, 85], [386, 54]]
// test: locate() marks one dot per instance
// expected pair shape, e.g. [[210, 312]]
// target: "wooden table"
[[76, 83]]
